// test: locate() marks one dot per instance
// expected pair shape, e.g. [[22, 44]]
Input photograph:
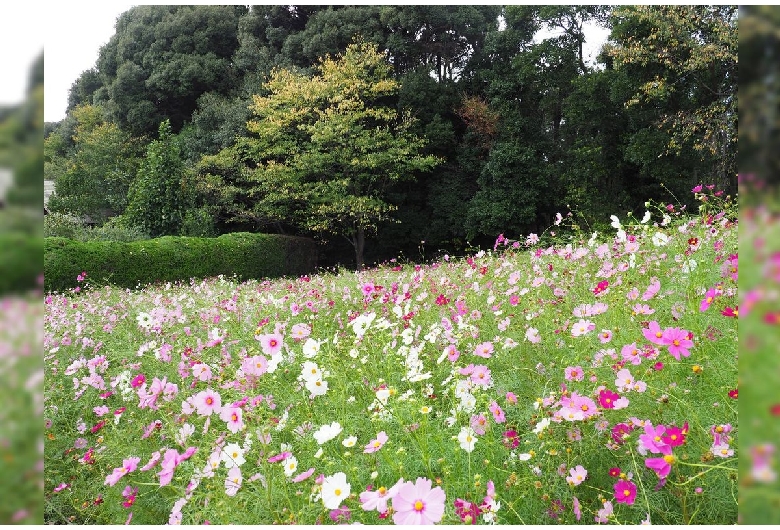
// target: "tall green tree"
[[94, 176], [326, 147], [158, 200], [682, 61], [162, 59]]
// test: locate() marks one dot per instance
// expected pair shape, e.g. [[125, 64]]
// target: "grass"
[[486, 374]]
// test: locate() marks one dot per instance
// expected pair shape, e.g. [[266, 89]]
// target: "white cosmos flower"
[[310, 371], [542, 425], [467, 438], [144, 320], [311, 348], [232, 455], [327, 432], [335, 489], [646, 217], [317, 387], [349, 442], [660, 239], [290, 465]]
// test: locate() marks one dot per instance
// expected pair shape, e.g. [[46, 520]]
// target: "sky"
[[72, 36], [22, 42]]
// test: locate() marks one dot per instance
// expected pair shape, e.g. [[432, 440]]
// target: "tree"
[[158, 201], [683, 63], [326, 147], [162, 59], [92, 177]]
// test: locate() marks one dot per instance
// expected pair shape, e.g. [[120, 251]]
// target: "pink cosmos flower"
[[138, 381], [677, 341], [654, 333], [624, 380], [574, 373], [709, 297], [480, 375], [577, 475], [233, 417], [416, 503], [662, 465], [631, 353], [652, 289], [602, 516], [376, 444], [452, 353], [128, 465], [303, 476], [233, 481], [168, 466], [625, 492], [532, 335], [207, 402], [255, 366], [484, 350], [511, 398], [201, 372], [581, 403], [478, 423], [498, 413], [377, 500], [605, 336], [652, 440], [152, 461], [576, 508], [271, 343]]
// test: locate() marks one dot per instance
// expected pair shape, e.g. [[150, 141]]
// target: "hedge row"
[[169, 258], [20, 262]]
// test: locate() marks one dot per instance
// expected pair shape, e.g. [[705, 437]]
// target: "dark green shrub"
[[171, 258], [20, 262]]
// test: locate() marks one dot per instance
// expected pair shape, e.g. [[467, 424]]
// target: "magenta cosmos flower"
[[128, 465], [625, 492], [416, 503]]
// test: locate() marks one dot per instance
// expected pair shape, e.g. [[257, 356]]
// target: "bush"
[[19, 262], [70, 226], [172, 258]]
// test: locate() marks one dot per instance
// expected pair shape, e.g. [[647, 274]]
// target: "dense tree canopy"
[[523, 126]]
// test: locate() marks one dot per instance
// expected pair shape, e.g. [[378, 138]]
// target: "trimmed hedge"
[[170, 258], [20, 262]]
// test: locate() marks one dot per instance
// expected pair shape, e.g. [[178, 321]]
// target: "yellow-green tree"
[[325, 147]]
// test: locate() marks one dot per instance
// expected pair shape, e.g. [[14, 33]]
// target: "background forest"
[[203, 120]]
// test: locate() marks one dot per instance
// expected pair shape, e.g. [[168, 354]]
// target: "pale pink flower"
[[577, 475], [377, 499], [376, 444], [233, 416], [207, 402], [416, 503], [271, 343], [484, 350], [233, 481]]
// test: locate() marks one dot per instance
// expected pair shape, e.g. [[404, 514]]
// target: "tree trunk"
[[359, 242]]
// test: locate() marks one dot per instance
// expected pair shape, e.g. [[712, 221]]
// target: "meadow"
[[565, 377]]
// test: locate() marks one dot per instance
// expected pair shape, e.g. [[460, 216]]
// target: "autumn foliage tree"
[[326, 147]]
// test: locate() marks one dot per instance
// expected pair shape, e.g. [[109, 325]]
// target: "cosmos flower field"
[[593, 380]]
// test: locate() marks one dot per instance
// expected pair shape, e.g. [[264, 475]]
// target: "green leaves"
[[326, 146]]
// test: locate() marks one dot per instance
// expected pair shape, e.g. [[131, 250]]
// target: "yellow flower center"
[[418, 506], [382, 490], [670, 459], [337, 492], [626, 493]]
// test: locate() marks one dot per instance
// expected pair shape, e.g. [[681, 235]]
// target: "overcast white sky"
[[21, 41], [72, 34]]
